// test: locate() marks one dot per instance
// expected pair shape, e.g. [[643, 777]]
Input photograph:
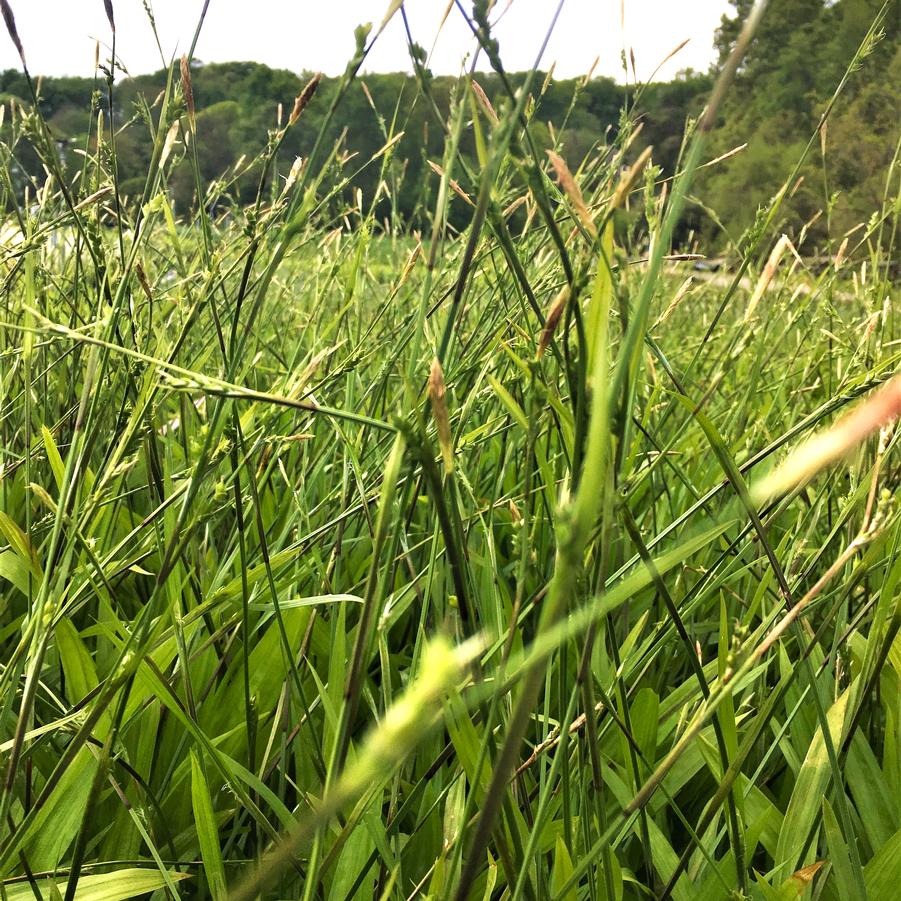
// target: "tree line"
[[791, 70]]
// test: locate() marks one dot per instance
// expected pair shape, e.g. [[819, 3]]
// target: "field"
[[338, 561]]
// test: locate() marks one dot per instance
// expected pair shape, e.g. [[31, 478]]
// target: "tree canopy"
[[796, 60]]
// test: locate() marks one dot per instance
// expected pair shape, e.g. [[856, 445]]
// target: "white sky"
[[59, 35]]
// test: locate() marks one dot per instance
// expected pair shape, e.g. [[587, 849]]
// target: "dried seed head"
[[870, 326], [629, 178], [169, 144], [43, 495], [310, 370], [724, 156], [553, 319], [840, 255], [548, 79], [142, 280], [677, 299], [368, 94], [304, 97], [296, 169], [631, 139], [772, 264], [484, 102], [509, 210], [408, 268], [187, 89], [572, 191], [587, 77], [437, 395], [10, 21], [455, 187]]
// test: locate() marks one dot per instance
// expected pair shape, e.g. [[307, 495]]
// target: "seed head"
[[553, 319], [840, 255], [630, 177], [10, 21], [304, 97], [187, 89], [769, 272], [454, 184], [437, 395], [142, 280], [484, 102], [678, 297], [572, 191]]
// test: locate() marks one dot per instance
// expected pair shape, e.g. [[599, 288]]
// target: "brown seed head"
[[408, 268], [587, 77], [438, 398], [10, 21], [558, 305], [840, 255], [187, 89], [484, 102], [454, 185], [304, 97], [368, 94], [572, 191], [108, 6], [142, 280]]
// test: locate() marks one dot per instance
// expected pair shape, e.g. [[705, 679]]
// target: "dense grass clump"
[[337, 561]]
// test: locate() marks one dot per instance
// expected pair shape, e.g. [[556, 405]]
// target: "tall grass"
[[339, 562]]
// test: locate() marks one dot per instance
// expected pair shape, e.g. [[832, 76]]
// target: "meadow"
[[525, 561]]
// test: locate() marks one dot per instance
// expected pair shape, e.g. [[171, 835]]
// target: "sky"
[[59, 36]]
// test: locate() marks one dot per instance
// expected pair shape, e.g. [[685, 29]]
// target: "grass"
[[338, 562]]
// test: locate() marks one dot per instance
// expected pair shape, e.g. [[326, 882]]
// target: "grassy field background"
[[339, 562]]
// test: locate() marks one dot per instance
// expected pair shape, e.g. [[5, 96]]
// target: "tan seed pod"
[[169, 143], [408, 268]]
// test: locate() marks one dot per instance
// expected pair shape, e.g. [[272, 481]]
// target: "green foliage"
[[791, 70], [339, 561], [238, 106]]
